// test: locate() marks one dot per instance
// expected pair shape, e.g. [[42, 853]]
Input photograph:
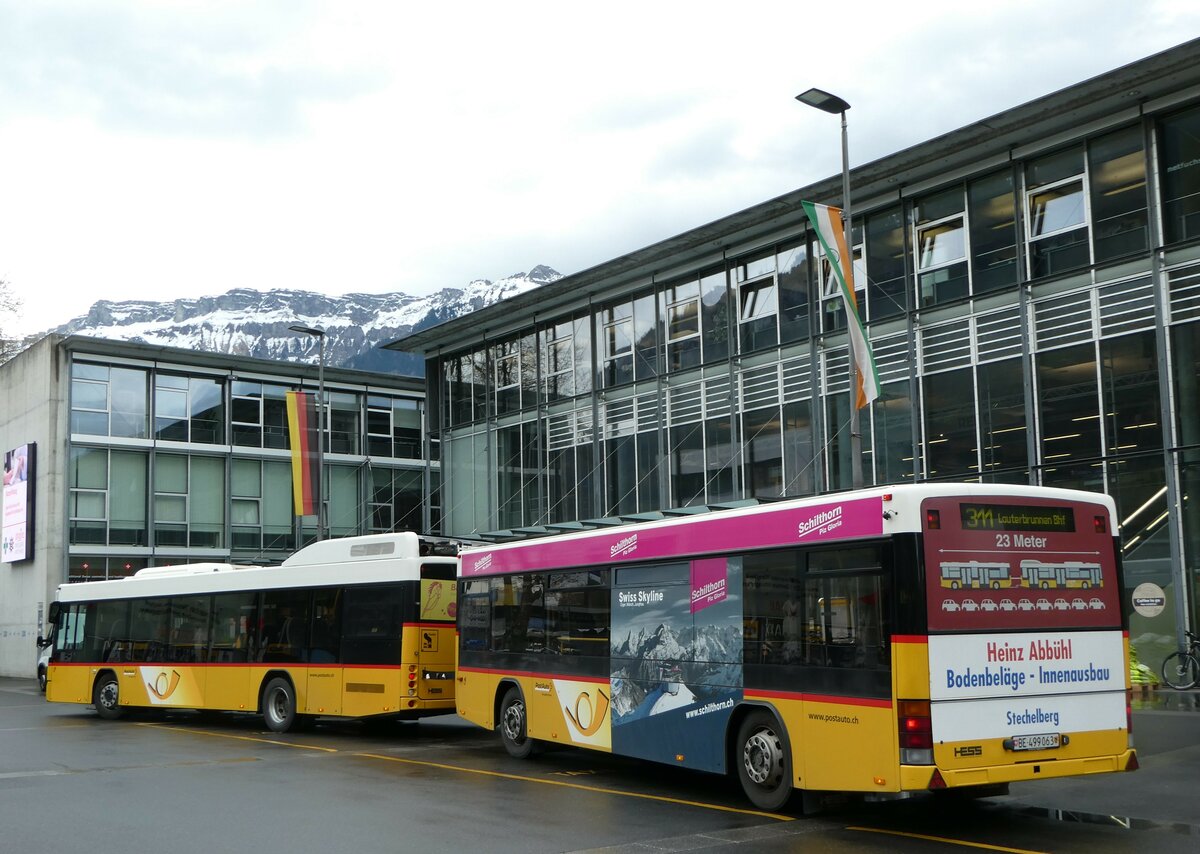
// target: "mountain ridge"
[[246, 322]]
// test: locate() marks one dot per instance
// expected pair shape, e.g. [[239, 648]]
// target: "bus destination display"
[[1016, 517]]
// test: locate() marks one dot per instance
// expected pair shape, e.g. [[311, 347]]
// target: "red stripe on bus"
[[910, 638], [265, 665], [529, 674], [872, 702]]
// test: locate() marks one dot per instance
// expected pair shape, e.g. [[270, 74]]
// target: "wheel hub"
[[763, 757], [514, 722]]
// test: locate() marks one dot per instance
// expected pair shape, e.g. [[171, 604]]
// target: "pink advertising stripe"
[[835, 520]]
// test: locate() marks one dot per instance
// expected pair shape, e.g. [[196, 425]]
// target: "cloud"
[[151, 69]]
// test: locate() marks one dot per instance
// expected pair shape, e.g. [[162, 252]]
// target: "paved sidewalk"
[[1166, 733]]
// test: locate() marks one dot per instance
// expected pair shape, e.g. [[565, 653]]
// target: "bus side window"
[[847, 626]]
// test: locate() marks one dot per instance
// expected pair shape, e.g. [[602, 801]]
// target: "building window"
[[758, 302], [393, 427], [261, 506], [951, 444], [885, 264], [507, 365], [96, 568], [108, 401], [617, 339], [189, 501], [992, 212], [794, 292], [833, 309], [1180, 149], [941, 247], [343, 422], [395, 500], [558, 362], [714, 316], [892, 418], [1117, 178], [107, 497], [1069, 409], [258, 415], [1056, 210], [189, 409], [1002, 421], [683, 325]]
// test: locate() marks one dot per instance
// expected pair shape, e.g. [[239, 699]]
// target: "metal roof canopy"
[[85, 346], [1109, 95]]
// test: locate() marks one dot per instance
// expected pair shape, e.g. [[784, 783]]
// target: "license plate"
[[1043, 741]]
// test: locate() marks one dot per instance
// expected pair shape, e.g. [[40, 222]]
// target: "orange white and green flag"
[[302, 430], [828, 224]]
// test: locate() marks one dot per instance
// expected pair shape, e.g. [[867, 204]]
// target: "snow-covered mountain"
[[252, 323]]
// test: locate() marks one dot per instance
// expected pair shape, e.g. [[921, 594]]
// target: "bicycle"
[[1181, 670]]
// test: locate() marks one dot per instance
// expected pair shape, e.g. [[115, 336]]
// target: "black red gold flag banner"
[[302, 429]]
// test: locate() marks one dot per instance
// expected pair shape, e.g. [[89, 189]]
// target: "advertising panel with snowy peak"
[[676, 660]]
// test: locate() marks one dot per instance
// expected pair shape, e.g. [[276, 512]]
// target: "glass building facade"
[[1034, 311], [176, 457]]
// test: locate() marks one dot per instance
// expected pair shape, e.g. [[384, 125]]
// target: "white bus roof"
[[375, 558]]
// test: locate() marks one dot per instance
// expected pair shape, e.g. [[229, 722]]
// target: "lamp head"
[[823, 100], [307, 330]]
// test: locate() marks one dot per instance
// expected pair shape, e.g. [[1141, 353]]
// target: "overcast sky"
[[156, 150]]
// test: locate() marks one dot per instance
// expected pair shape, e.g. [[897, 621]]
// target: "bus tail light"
[[937, 781], [933, 520], [1100, 524], [916, 732]]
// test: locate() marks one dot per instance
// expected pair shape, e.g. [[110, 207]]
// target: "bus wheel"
[[513, 725], [764, 767], [105, 696], [279, 705]]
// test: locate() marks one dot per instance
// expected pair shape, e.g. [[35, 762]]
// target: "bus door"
[[324, 652], [435, 635]]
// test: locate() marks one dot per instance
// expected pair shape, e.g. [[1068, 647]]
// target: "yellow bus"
[[808, 645], [360, 627]]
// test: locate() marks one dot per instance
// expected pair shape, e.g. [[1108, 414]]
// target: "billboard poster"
[[16, 538], [996, 565], [676, 648], [1003, 685]]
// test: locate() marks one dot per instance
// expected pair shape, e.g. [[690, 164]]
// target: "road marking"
[[947, 840], [241, 737], [599, 789], [13, 775]]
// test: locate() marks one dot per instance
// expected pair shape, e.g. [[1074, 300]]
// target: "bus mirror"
[[55, 610]]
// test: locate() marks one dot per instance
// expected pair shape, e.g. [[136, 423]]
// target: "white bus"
[[356, 627]]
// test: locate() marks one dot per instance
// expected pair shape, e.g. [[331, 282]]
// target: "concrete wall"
[[33, 391]]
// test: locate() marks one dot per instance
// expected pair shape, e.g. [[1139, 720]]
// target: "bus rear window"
[[995, 565]]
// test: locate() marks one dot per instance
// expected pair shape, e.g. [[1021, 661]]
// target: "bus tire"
[[279, 705], [763, 761], [106, 696], [514, 725]]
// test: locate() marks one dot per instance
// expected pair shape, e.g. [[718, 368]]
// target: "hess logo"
[[969, 750]]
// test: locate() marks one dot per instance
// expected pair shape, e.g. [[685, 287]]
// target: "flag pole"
[[856, 466]]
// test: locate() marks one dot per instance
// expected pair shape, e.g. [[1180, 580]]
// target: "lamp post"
[[319, 334], [831, 103]]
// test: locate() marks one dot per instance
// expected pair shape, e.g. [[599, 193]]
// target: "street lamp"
[[319, 334], [830, 103]]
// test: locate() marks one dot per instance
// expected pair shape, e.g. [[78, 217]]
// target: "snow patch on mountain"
[[246, 322]]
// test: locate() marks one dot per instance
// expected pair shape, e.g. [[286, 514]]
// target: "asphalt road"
[[183, 783]]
